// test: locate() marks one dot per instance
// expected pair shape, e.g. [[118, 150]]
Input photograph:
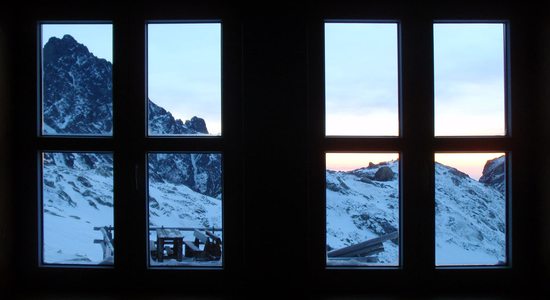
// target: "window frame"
[[185, 144], [64, 143], [242, 39], [129, 144], [366, 144], [416, 144]]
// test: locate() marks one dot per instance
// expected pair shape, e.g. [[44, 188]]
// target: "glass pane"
[[77, 83], [184, 79], [185, 209], [361, 79], [470, 209], [469, 79], [77, 211], [362, 209]]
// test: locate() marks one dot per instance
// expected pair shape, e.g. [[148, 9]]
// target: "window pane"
[[362, 209], [470, 213], [77, 208], [469, 79], [77, 82], [361, 79], [184, 79], [185, 209]]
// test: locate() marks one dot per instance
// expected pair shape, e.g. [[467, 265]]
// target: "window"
[[470, 209], [185, 188], [184, 184], [471, 198], [77, 186], [380, 132], [362, 186], [315, 130]]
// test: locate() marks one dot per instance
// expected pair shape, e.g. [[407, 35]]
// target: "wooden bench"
[[173, 237], [191, 250]]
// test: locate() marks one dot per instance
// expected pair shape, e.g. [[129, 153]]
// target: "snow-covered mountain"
[[77, 89], [470, 215], [361, 205], [185, 189]]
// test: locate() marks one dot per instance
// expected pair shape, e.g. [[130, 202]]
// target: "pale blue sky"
[[361, 76], [361, 79], [97, 37], [184, 70], [469, 79]]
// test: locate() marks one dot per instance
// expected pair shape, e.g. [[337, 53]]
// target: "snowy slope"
[[470, 215], [360, 208], [77, 195], [470, 220]]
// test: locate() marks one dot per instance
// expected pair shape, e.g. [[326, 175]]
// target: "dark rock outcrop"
[[384, 174]]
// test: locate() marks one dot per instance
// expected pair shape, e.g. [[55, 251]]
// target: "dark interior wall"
[[544, 146], [6, 214]]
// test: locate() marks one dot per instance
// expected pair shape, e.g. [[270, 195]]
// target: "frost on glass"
[[77, 96], [362, 209], [77, 208], [469, 79], [470, 209], [184, 79], [361, 79], [185, 209]]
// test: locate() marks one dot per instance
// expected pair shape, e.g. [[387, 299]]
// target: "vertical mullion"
[[417, 161], [129, 106]]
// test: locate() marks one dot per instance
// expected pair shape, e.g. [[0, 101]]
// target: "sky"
[[361, 79], [361, 84], [184, 70], [469, 79], [469, 163]]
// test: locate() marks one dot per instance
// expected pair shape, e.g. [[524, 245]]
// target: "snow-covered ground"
[[172, 205], [470, 220], [360, 208], [78, 196], [470, 216]]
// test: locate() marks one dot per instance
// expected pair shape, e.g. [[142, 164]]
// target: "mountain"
[[77, 89], [494, 174], [161, 122], [470, 215], [78, 100], [78, 95], [359, 207], [185, 189]]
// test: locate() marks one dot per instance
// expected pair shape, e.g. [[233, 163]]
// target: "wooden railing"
[[106, 243], [365, 248]]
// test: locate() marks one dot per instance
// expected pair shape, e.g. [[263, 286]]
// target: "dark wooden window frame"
[[273, 67]]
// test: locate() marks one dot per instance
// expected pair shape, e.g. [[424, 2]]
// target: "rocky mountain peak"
[[494, 174]]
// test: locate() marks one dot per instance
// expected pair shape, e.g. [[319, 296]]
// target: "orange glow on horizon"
[[353, 161], [469, 163]]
